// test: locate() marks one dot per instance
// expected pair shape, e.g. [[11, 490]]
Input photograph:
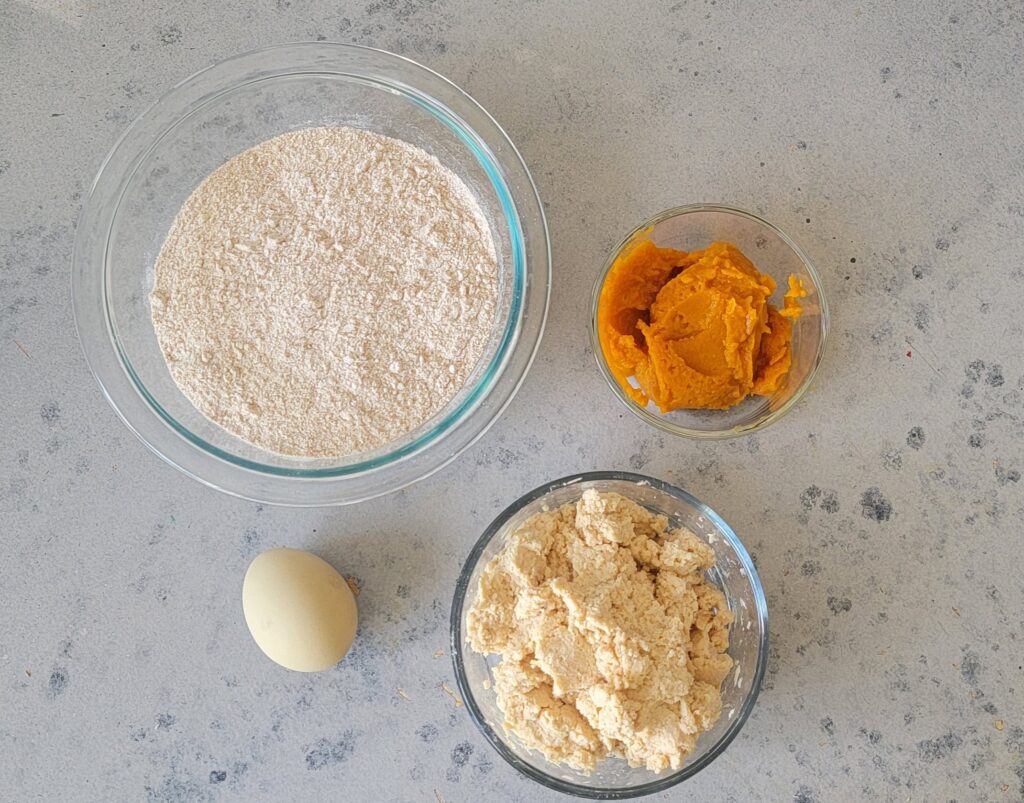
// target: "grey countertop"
[[885, 512]]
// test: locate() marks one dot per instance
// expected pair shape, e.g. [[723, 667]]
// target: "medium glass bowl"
[[220, 112], [733, 573], [691, 228]]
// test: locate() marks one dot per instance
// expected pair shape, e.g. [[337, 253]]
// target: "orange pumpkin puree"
[[694, 329]]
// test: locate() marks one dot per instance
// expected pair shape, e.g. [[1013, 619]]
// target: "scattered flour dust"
[[325, 292]]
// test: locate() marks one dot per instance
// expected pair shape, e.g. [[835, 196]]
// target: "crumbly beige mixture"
[[612, 642]]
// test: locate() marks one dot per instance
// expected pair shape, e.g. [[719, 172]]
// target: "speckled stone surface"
[[885, 513]]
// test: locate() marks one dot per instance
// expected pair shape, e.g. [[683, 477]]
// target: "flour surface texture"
[[325, 292]]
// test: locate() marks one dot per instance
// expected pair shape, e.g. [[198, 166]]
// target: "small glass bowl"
[[733, 573], [691, 228], [220, 112]]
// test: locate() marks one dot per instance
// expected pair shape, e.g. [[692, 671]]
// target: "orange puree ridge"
[[694, 329]]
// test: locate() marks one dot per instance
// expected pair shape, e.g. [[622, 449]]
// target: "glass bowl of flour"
[[311, 274], [530, 557]]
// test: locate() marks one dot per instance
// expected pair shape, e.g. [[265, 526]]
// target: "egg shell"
[[299, 610]]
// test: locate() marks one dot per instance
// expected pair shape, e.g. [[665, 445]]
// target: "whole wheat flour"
[[325, 292], [612, 642]]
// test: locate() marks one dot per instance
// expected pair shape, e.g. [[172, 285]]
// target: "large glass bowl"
[[733, 573], [773, 252], [218, 113]]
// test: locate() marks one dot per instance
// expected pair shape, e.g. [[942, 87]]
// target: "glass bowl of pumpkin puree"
[[708, 322]]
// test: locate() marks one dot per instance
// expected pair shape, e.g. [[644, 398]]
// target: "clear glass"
[[690, 228], [734, 574], [216, 114]]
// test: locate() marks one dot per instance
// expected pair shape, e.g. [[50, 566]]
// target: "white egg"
[[300, 611]]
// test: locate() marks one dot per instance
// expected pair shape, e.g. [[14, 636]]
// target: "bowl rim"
[[497, 527], [659, 421], [499, 380]]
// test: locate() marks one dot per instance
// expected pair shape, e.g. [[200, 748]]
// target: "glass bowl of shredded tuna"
[[311, 274], [609, 635]]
